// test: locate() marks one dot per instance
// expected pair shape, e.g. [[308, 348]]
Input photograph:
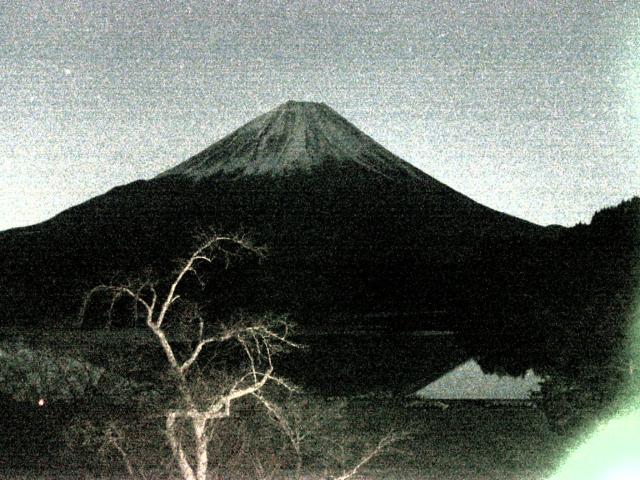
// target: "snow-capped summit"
[[292, 137]]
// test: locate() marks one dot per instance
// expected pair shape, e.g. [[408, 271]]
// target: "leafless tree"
[[258, 338], [193, 411]]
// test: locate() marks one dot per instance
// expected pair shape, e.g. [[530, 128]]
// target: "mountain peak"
[[300, 105], [295, 136]]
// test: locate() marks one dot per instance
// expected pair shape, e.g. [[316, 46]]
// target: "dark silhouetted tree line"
[[571, 319]]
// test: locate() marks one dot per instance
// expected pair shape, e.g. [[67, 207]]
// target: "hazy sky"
[[530, 107]]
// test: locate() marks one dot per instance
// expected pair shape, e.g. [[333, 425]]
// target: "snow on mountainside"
[[292, 137]]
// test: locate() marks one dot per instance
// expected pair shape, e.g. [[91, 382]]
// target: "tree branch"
[[194, 354], [380, 448]]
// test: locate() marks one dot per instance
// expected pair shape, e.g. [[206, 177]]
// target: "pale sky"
[[529, 107]]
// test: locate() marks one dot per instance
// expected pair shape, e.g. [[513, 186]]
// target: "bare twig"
[[382, 446], [113, 438]]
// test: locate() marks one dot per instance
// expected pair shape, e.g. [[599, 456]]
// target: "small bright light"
[[41, 402]]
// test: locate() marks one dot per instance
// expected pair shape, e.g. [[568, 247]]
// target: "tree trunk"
[[202, 460], [185, 469]]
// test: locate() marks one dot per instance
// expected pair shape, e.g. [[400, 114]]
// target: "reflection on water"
[[467, 381], [432, 362]]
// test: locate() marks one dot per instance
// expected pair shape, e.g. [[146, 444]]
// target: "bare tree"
[[197, 402], [258, 338]]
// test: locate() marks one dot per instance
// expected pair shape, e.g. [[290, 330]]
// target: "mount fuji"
[[352, 229]]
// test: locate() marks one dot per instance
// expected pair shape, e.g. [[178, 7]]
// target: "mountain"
[[350, 226], [357, 239]]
